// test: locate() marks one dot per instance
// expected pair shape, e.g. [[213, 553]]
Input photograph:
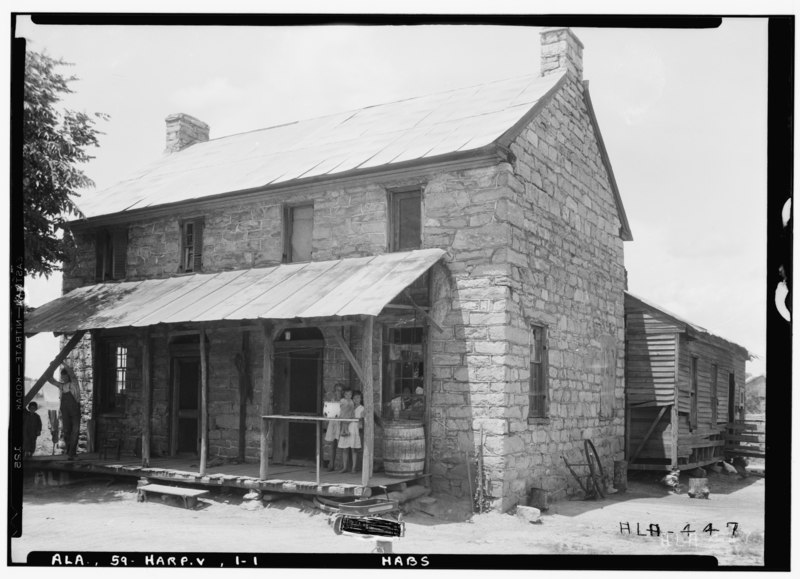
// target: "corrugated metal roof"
[[345, 287], [407, 130]]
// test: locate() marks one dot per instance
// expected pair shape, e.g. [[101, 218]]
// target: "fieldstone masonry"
[[531, 240]]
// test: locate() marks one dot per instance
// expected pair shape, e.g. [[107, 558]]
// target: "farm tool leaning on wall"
[[591, 483]]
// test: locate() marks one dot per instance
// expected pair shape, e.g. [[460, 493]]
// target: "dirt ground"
[[103, 514]]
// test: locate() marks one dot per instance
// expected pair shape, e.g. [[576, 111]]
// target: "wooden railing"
[[745, 438]]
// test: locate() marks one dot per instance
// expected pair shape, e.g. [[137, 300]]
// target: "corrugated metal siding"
[[355, 286], [419, 128]]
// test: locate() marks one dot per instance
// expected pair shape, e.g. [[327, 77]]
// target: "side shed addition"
[[682, 387]]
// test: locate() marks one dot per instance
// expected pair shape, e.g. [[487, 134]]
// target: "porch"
[[300, 478]]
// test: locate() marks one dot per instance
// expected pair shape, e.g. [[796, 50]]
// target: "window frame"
[[538, 367], [395, 197], [198, 226], [110, 389], [111, 244], [288, 231]]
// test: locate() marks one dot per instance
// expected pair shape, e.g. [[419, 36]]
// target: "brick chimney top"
[[561, 52], [184, 131]]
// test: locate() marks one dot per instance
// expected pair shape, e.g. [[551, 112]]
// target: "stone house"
[[466, 246]]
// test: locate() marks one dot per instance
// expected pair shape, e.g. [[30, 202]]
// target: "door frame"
[[280, 451], [175, 356]]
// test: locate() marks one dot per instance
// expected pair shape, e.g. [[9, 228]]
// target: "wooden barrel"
[[403, 448]]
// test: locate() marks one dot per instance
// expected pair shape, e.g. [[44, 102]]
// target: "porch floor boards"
[[288, 478]]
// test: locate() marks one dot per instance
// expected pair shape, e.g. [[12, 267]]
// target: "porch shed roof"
[[344, 287]]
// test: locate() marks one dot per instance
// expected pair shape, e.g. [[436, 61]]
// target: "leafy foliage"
[[54, 143]]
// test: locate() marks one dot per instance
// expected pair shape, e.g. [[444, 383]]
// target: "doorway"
[[186, 405], [298, 392], [731, 398]]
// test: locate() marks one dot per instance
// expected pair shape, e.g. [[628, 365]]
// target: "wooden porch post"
[[266, 397], [203, 402], [147, 394], [62, 355], [673, 455], [369, 407]]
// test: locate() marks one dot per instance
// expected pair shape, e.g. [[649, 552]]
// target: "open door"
[[186, 405], [298, 392]]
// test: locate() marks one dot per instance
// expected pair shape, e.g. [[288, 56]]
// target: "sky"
[[682, 112]]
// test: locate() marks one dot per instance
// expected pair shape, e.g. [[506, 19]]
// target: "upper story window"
[[298, 232], [539, 393], [405, 214], [111, 247], [192, 245]]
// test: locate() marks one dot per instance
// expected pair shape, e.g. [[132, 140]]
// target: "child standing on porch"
[[356, 428], [334, 428], [348, 410]]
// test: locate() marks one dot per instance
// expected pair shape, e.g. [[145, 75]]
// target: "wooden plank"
[[649, 432], [147, 395], [203, 402], [266, 396], [62, 355], [368, 395], [350, 358]]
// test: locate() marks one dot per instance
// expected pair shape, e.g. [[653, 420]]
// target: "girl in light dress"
[[334, 427], [356, 428], [346, 440]]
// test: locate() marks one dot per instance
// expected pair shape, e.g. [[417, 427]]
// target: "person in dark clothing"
[[70, 409], [31, 429]]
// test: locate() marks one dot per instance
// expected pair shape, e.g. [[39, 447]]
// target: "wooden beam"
[[203, 402], [268, 331], [244, 388], [147, 396], [62, 355], [368, 395], [353, 362], [428, 388], [674, 420], [649, 432], [422, 312]]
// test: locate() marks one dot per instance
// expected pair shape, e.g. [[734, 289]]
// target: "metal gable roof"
[[408, 130], [344, 287]]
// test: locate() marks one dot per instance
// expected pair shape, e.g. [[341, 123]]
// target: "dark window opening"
[[192, 246], [111, 254], [406, 220], [539, 391], [714, 394], [693, 395]]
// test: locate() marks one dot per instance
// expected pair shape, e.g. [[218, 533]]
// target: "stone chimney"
[[184, 131], [561, 52]]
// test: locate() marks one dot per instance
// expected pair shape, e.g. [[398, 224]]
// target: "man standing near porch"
[[70, 408]]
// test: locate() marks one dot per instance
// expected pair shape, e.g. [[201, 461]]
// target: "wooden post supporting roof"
[[147, 395], [368, 395], [266, 396], [62, 355], [203, 402]]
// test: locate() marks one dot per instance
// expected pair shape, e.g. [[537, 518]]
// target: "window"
[[404, 372], [714, 394], [539, 392], [406, 215], [693, 395], [192, 246], [111, 251], [298, 233], [113, 376]]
